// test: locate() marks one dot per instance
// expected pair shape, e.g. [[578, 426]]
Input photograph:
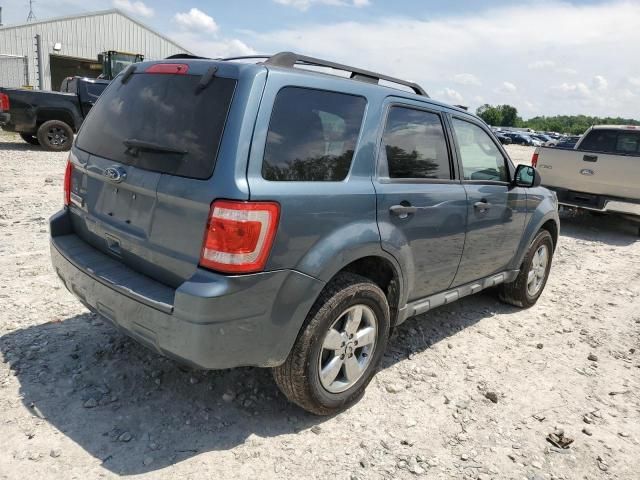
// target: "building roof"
[[95, 14]]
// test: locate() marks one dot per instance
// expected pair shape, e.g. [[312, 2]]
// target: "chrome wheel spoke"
[[329, 373], [365, 336], [353, 320], [352, 369], [333, 340]]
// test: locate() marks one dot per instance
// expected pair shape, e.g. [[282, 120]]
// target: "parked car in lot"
[[518, 138], [266, 222], [49, 119], [504, 139], [568, 141], [600, 173], [541, 137]]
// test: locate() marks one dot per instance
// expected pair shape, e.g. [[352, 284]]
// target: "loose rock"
[[493, 396]]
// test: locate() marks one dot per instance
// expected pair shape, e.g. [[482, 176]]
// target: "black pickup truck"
[[49, 119]]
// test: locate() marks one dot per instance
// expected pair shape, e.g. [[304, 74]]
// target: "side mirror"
[[527, 176]]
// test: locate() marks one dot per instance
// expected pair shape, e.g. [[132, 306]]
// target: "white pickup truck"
[[601, 173]]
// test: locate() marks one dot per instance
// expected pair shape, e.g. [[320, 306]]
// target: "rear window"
[[612, 141], [158, 122], [628, 142], [600, 141], [312, 135]]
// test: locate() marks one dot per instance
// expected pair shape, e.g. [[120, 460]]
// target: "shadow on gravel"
[[20, 146], [139, 412], [610, 229]]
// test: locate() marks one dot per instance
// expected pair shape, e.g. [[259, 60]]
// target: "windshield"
[[160, 122]]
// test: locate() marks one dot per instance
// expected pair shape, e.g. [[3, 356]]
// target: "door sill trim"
[[425, 304]]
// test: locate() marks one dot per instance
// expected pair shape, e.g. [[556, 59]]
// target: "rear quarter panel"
[[27, 106], [323, 225]]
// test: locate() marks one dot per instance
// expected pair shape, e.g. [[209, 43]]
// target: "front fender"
[[541, 208]]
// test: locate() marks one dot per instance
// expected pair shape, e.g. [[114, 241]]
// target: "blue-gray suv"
[[261, 212]]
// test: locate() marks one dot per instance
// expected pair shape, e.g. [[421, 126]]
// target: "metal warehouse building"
[[41, 54]]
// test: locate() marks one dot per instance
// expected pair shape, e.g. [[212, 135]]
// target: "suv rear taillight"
[[239, 236], [534, 160], [67, 183], [4, 102]]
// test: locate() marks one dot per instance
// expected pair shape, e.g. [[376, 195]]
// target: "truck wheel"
[[29, 138], [339, 348], [525, 290], [55, 135]]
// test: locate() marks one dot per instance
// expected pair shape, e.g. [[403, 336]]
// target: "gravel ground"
[[470, 390]]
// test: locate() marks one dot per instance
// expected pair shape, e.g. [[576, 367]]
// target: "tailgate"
[[141, 189], [591, 172]]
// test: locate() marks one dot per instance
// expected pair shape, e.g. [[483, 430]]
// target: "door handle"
[[402, 211], [590, 158], [482, 206]]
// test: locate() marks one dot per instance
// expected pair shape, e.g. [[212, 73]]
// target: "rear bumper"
[[598, 203], [4, 118], [211, 321]]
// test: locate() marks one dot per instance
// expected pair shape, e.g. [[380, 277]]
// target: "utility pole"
[[32, 16]]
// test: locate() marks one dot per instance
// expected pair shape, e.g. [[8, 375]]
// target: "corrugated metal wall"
[[83, 37], [13, 71]]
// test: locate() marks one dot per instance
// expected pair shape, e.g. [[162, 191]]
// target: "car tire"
[[525, 290], [55, 135], [326, 371], [30, 138]]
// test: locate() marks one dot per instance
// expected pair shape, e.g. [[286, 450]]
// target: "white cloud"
[[450, 95], [571, 90], [508, 87], [495, 45], [466, 79], [213, 47], [600, 83], [196, 20], [633, 81], [134, 8], [306, 4], [541, 65]]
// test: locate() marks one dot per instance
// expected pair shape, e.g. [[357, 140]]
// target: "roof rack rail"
[[290, 59]]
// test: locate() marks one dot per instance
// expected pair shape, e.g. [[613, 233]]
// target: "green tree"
[[500, 115], [509, 116], [491, 115]]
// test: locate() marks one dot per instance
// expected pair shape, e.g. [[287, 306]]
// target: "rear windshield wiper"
[[136, 145]]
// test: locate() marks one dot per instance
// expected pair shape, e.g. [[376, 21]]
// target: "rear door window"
[[312, 135], [160, 122], [415, 146]]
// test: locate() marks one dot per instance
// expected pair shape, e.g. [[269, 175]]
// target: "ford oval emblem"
[[586, 171], [115, 174]]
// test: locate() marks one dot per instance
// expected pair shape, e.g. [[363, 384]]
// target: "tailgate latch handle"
[[590, 158]]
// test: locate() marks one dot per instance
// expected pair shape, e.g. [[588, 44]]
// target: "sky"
[[545, 57]]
